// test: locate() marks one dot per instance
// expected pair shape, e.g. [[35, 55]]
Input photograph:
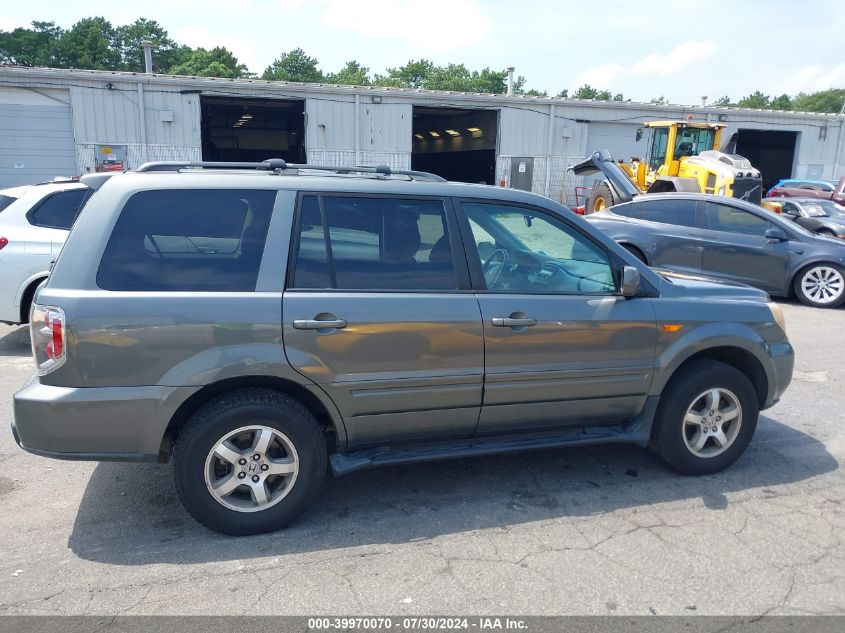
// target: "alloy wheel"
[[712, 422], [251, 468], [822, 284]]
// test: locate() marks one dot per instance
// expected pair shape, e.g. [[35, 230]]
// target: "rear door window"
[[723, 217], [58, 210], [676, 212], [188, 240], [361, 243]]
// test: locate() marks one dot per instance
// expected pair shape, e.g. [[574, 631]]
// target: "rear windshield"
[[5, 201], [188, 240]]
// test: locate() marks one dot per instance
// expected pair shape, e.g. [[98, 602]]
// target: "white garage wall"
[[106, 109]]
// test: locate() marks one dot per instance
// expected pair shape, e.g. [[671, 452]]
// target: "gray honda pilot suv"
[[258, 323]]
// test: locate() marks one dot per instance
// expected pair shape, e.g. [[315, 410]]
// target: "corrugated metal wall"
[[555, 134], [36, 136]]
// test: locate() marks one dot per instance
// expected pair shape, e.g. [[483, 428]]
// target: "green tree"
[[661, 100], [414, 74], [166, 52], [824, 101], [722, 101], [30, 47], [352, 74], [493, 82], [533, 92], [454, 77], [90, 43], [564, 93], [783, 102], [423, 74], [294, 66], [755, 100], [588, 92], [218, 62]]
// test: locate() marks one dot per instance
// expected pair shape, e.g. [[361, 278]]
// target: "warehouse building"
[[65, 122]]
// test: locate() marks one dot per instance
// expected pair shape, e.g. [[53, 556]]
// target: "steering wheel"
[[494, 265]]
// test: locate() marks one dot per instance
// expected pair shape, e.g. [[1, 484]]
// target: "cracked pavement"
[[602, 530]]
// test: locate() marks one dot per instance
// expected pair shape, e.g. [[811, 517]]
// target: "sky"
[[643, 49]]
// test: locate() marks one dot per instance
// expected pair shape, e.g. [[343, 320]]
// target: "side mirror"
[[630, 281], [639, 134], [776, 235]]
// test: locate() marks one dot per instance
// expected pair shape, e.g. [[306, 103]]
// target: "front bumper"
[[783, 361], [99, 424]]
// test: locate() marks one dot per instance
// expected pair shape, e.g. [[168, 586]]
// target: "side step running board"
[[344, 463]]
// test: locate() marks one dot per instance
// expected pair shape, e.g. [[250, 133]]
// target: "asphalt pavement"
[[601, 530]]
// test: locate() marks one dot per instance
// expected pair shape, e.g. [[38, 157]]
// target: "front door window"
[[522, 250]]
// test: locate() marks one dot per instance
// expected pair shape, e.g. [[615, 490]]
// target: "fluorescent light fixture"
[[434, 134], [472, 129], [419, 136], [453, 133]]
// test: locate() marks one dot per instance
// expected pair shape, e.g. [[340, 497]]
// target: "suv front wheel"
[[249, 462], [706, 418]]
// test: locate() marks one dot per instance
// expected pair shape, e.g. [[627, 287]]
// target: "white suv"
[[34, 223]]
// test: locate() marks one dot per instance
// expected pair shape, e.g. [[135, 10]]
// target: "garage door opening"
[[770, 151], [456, 144], [253, 129]]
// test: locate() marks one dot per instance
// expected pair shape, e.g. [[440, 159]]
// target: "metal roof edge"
[[187, 81]]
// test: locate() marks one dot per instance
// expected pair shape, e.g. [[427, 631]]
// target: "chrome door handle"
[[315, 324], [513, 321]]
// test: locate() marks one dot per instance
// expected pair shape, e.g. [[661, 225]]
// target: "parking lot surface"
[[599, 530]]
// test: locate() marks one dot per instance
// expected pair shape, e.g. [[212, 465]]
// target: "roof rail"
[[278, 166]]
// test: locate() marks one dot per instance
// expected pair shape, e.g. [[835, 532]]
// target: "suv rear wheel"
[[706, 418], [249, 462]]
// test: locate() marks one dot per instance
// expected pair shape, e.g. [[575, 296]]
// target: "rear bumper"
[[9, 313], [99, 424]]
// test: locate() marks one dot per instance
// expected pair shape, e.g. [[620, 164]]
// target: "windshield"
[[819, 208], [693, 141]]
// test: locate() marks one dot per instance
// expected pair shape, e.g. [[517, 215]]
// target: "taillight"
[[3, 242], [47, 330]]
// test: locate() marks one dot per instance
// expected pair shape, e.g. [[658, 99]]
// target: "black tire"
[[600, 198], [700, 376], [26, 299], [807, 299], [225, 414], [635, 252]]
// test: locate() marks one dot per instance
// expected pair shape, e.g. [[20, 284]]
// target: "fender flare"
[[707, 337]]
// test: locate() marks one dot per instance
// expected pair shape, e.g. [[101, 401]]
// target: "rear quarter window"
[[5, 201], [188, 240], [58, 210]]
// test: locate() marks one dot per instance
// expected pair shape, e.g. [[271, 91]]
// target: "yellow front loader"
[[682, 156]]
